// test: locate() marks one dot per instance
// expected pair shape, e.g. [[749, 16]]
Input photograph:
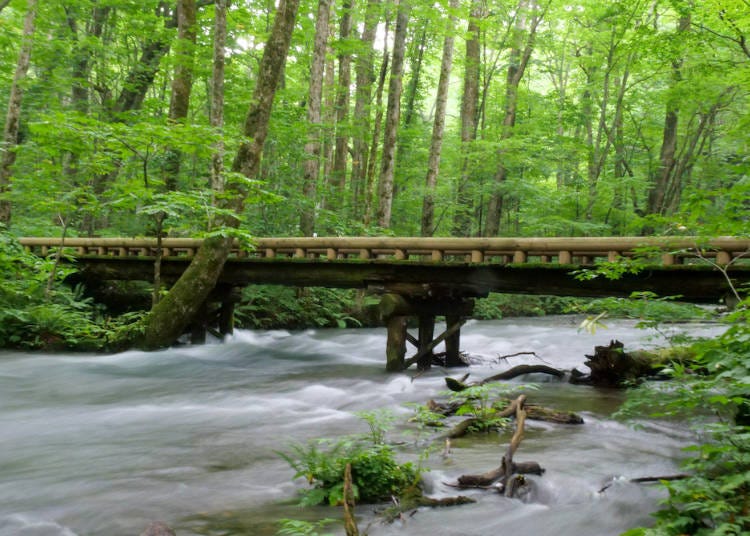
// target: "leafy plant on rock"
[[376, 474], [483, 403]]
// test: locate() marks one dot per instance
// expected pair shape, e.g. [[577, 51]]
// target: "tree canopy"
[[582, 118]]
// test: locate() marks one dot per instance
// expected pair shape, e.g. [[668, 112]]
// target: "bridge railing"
[[579, 251]]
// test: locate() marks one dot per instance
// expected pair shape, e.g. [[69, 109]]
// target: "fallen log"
[[490, 477], [533, 412], [445, 501], [540, 413]]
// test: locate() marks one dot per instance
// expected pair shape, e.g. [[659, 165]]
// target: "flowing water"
[[102, 445]]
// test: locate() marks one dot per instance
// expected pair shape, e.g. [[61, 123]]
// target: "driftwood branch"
[[509, 471], [350, 524], [459, 385], [515, 441], [524, 369], [647, 479]]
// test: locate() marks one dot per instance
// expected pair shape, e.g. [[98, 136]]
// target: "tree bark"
[[337, 178], [469, 104], [217, 94], [438, 127], [315, 98], [372, 160], [182, 83], [350, 523], [519, 59], [393, 113], [665, 174], [13, 117], [178, 308], [361, 120]]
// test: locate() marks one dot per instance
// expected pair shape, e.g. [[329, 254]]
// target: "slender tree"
[[657, 200], [13, 117], [469, 106], [527, 20], [217, 93], [393, 114], [337, 179], [182, 82], [314, 101], [362, 109], [438, 127]]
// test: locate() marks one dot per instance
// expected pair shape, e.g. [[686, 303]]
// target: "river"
[[102, 445]]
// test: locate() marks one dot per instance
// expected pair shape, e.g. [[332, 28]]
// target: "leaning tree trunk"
[[177, 309], [10, 133]]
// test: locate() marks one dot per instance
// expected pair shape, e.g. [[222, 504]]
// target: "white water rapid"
[[102, 445]]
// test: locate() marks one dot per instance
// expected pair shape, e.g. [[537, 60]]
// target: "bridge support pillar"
[[395, 346], [396, 309], [453, 342], [426, 335], [226, 317]]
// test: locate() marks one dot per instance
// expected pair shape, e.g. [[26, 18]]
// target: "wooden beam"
[[430, 347]]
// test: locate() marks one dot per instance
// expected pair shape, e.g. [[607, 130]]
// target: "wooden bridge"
[[425, 277]]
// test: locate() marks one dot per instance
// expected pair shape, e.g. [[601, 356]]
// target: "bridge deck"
[[435, 266]]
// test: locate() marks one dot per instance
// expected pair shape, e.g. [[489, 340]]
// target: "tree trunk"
[[393, 113], [416, 70], [373, 158], [518, 61], [337, 179], [433, 165], [665, 173], [315, 99], [177, 309], [361, 126], [182, 83], [13, 117], [217, 94], [469, 102]]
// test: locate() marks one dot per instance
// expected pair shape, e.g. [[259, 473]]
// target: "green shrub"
[[715, 397], [270, 306], [376, 475], [497, 305], [34, 316]]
